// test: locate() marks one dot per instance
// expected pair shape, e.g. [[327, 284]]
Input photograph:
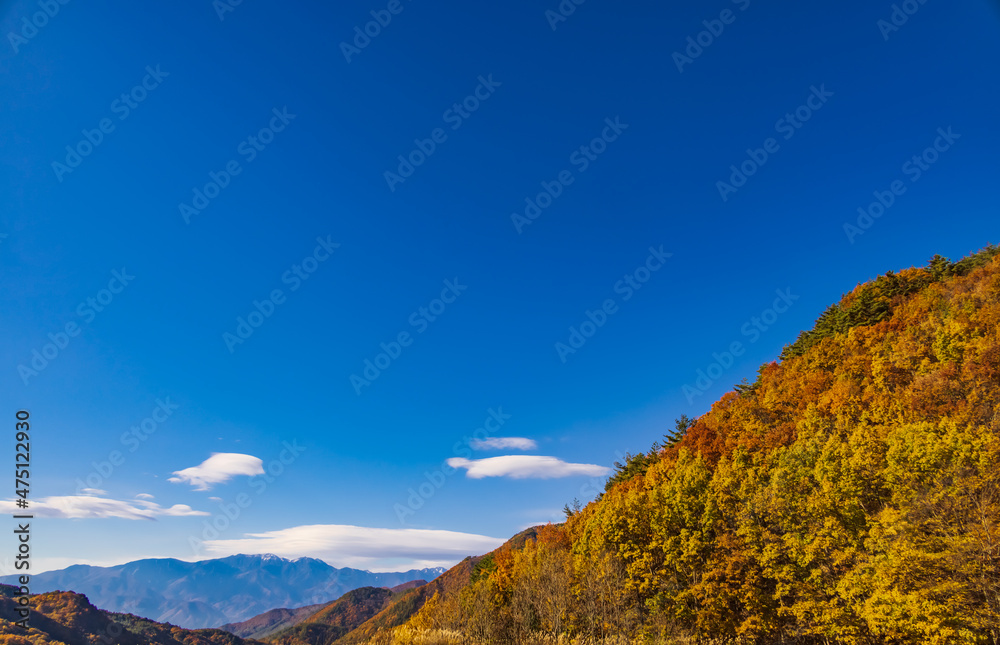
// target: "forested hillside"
[[68, 618], [850, 495]]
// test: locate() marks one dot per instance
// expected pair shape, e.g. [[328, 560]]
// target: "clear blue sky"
[[875, 96]]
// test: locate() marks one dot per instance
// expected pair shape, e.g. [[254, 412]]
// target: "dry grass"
[[407, 635]]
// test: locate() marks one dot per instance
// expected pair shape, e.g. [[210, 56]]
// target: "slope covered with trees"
[[405, 607], [337, 618], [850, 495], [66, 618], [271, 621]]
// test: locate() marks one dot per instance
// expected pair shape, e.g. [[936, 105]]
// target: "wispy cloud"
[[360, 547], [142, 496], [524, 467], [54, 563], [500, 443], [95, 507], [219, 468]]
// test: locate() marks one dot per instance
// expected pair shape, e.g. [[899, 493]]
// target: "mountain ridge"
[[213, 592], [277, 620], [67, 618]]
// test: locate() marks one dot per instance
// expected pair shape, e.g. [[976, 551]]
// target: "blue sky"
[[623, 125]]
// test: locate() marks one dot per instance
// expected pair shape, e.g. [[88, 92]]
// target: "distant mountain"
[[337, 618], [368, 615], [271, 621], [401, 607], [69, 618], [276, 620], [214, 592], [406, 586]]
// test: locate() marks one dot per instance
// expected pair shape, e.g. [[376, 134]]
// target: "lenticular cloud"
[[374, 549], [219, 468], [524, 467]]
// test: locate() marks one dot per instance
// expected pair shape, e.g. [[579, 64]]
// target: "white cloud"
[[360, 547], [499, 443], [43, 564], [91, 506], [524, 467], [93, 491], [144, 496], [219, 468]]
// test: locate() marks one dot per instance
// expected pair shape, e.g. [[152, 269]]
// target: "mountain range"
[[211, 593], [71, 618], [343, 614]]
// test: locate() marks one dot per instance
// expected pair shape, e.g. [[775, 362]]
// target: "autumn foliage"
[[69, 618], [851, 495]]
